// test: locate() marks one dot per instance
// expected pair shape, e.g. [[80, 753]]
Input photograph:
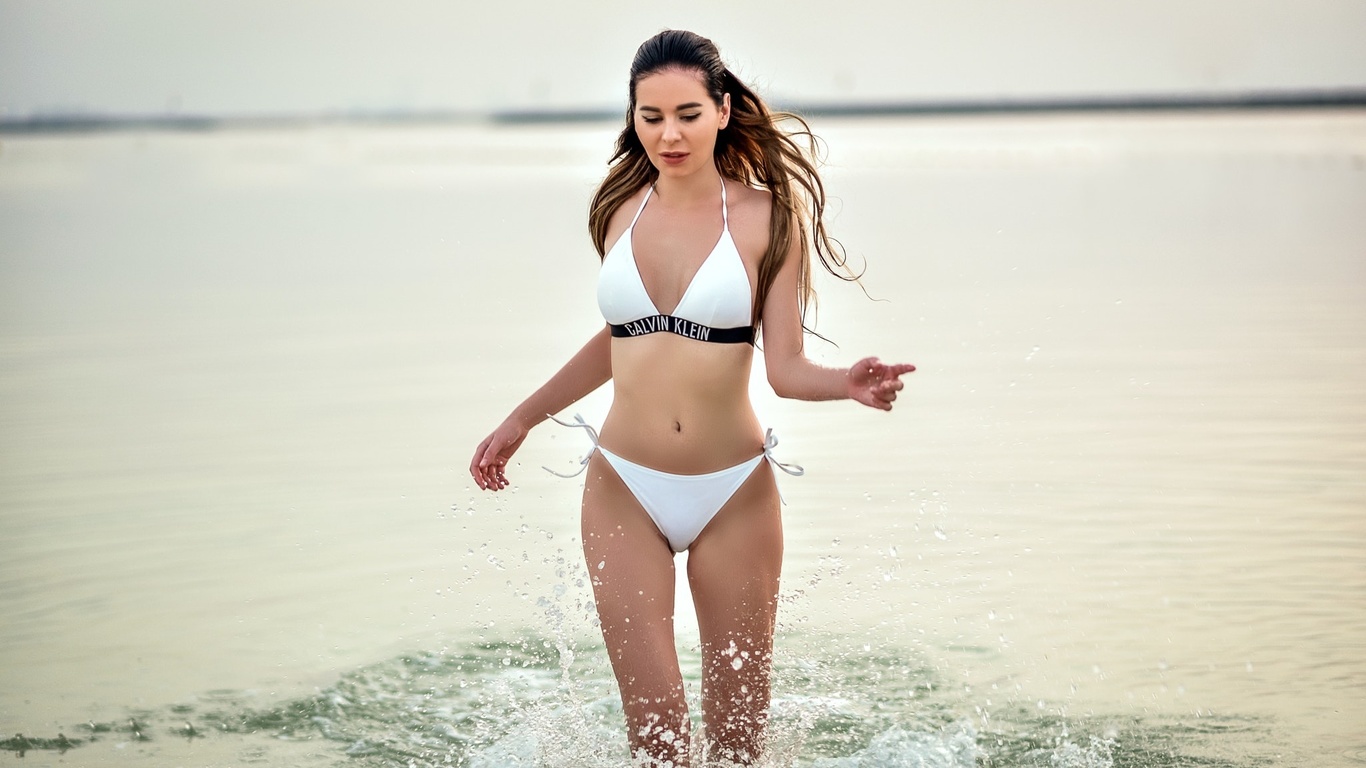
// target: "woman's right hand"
[[488, 467]]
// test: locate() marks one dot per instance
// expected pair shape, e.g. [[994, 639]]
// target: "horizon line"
[[92, 122]]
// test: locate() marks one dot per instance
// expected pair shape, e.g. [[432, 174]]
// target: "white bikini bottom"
[[680, 505]]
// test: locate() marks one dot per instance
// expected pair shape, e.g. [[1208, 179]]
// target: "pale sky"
[[239, 57]]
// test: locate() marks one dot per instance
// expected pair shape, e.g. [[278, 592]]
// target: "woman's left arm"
[[792, 375]]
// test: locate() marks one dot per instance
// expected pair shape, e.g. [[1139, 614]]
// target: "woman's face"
[[677, 121]]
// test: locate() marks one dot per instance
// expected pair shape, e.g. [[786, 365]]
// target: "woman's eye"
[[690, 118], [651, 120]]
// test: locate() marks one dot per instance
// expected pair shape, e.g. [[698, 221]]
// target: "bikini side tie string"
[[796, 470], [771, 442], [592, 435]]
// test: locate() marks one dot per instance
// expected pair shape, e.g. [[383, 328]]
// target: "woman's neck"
[[686, 190]]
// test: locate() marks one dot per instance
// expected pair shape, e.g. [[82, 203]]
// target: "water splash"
[[546, 703], [1099, 753]]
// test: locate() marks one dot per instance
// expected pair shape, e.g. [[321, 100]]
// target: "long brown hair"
[[753, 149]]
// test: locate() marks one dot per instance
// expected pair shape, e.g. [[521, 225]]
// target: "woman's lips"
[[673, 158]]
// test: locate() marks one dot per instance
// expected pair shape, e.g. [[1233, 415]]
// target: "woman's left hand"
[[875, 383]]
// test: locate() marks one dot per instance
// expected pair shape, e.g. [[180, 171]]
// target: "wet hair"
[[753, 149]]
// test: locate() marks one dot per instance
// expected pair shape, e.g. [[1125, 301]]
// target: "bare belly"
[[680, 405]]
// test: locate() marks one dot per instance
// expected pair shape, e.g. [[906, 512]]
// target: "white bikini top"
[[715, 306]]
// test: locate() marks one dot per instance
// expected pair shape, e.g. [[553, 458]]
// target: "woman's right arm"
[[587, 370]]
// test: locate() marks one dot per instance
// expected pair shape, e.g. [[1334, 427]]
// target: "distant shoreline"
[[1348, 98]]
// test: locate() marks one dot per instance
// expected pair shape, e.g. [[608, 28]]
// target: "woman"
[[705, 223]]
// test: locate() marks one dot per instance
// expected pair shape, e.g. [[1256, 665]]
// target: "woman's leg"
[[733, 568], [632, 571]]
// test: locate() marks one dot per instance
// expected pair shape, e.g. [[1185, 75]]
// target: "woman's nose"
[[671, 132]]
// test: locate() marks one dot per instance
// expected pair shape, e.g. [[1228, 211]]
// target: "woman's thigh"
[[631, 569], [733, 569], [735, 563]]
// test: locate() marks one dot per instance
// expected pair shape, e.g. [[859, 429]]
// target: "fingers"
[[492, 479], [894, 372], [476, 469], [494, 464], [889, 383], [886, 393], [487, 466], [873, 369], [884, 383]]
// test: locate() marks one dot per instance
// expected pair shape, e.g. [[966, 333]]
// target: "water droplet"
[[737, 662], [939, 534], [1032, 352]]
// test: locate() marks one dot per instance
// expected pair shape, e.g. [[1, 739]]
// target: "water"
[[1116, 521]]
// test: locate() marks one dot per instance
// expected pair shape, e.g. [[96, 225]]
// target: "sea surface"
[[1118, 517]]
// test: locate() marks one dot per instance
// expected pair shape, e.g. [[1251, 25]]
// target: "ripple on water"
[[540, 702]]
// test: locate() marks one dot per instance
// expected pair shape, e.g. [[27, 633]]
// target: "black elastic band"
[[686, 328]]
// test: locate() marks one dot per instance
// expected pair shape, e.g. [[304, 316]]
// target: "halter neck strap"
[[641, 209], [725, 217]]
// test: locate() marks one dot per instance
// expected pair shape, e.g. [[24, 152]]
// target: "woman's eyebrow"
[[680, 107]]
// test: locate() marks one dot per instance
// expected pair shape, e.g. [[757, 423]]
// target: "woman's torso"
[[681, 404]]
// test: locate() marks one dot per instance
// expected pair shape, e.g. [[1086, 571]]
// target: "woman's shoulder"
[[622, 216], [743, 196], [627, 210]]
